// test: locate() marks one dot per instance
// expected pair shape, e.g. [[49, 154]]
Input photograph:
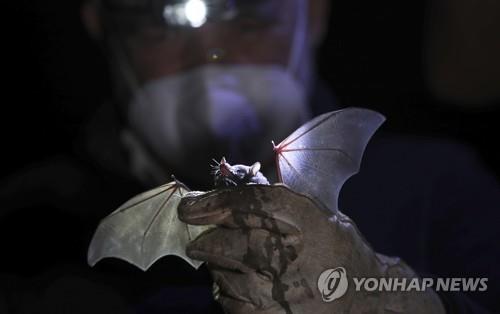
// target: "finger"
[[239, 291], [246, 250], [251, 293], [231, 305], [273, 208]]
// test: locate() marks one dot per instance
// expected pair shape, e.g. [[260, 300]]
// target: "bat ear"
[[254, 169]]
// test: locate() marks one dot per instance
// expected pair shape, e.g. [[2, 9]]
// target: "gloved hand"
[[271, 245]]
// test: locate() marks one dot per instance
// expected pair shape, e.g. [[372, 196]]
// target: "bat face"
[[227, 175]]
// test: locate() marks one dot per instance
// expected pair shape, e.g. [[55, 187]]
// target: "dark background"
[[56, 77]]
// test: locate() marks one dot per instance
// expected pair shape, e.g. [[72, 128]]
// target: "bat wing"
[[322, 154], [144, 229]]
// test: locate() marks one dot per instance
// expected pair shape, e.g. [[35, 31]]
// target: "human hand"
[[271, 244]]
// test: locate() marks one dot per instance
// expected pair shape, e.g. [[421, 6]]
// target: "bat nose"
[[224, 170]]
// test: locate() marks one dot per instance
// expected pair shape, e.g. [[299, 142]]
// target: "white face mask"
[[217, 110]]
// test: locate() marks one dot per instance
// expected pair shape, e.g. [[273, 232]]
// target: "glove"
[[273, 248]]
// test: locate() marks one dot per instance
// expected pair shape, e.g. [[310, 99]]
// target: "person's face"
[[236, 119], [262, 33], [259, 36]]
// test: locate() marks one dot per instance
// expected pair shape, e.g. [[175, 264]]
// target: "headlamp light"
[[177, 13]]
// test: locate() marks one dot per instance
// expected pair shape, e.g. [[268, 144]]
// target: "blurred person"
[[225, 78]]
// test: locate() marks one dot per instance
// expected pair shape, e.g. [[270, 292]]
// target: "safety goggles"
[[147, 43], [129, 17]]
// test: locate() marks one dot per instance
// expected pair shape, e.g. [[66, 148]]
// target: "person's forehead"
[[194, 12], [209, 3]]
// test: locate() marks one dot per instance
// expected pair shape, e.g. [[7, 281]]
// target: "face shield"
[[206, 79]]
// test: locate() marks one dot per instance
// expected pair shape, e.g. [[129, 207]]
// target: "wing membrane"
[[145, 228], [322, 154]]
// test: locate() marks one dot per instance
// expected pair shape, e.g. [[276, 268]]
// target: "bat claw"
[[274, 146]]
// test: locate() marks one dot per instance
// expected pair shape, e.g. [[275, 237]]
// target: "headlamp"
[[195, 13], [176, 13]]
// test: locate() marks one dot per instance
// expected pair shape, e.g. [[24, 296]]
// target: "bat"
[[314, 160]]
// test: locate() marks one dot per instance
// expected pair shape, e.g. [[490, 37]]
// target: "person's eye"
[[152, 33], [253, 23]]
